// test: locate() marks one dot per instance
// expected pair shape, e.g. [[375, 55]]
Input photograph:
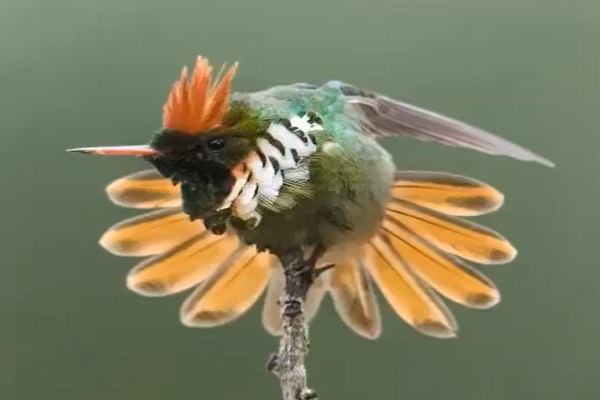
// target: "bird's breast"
[[279, 162]]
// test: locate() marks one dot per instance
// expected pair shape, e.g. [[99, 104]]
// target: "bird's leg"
[[299, 275], [310, 264], [318, 271], [288, 363]]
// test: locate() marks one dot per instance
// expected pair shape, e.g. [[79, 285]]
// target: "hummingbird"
[[237, 180]]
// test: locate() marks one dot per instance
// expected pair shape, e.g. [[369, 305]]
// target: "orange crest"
[[197, 104]]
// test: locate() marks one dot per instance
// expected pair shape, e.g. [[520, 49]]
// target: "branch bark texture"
[[288, 363]]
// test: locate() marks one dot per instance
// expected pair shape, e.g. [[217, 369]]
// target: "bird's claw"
[[318, 271], [271, 362], [307, 394], [315, 272]]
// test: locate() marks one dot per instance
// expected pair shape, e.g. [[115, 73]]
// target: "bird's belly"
[[346, 207], [333, 223]]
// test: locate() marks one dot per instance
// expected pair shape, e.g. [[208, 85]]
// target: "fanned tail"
[[230, 292], [459, 237], [182, 267], [229, 276], [413, 301], [447, 275], [149, 234], [446, 193], [416, 254], [421, 244], [354, 299], [144, 190]]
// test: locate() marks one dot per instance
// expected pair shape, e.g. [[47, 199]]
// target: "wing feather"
[[383, 116], [380, 116]]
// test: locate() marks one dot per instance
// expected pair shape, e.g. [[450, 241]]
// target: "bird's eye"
[[216, 144]]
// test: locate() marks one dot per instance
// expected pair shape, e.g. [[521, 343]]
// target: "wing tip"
[[540, 160]]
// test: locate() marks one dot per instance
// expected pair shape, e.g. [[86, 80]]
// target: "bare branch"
[[288, 363]]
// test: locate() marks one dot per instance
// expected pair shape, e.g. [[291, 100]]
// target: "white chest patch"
[[280, 159]]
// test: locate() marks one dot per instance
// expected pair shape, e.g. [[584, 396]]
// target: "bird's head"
[[203, 141]]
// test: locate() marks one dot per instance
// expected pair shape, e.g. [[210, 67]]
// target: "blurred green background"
[[90, 72]]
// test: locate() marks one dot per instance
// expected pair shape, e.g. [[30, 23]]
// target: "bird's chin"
[[204, 185]]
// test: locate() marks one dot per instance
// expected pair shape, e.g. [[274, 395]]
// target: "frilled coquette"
[[300, 166]]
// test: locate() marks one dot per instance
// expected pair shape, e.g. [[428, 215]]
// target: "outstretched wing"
[[382, 116]]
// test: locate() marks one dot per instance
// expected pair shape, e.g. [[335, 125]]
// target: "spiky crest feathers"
[[196, 104]]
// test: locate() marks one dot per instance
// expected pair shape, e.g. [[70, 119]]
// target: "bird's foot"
[[272, 362], [312, 270]]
